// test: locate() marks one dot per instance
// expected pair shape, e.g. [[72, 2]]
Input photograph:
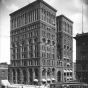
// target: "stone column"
[[16, 22], [15, 75], [29, 17], [46, 74], [40, 75], [66, 76], [50, 73], [21, 76], [34, 15], [62, 76], [11, 76], [56, 75], [33, 74], [28, 76]]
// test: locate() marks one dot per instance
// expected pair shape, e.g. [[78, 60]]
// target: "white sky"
[[70, 8]]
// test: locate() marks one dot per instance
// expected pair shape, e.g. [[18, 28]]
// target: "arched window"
[[30, 41], [35, 40], [53, 43], [43, 40], [43, 72], [23, 43], [13, 45], [53, 71], [48, 72], [48, 41]]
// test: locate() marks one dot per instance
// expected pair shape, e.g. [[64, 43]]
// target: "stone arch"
[[35, 40], [13, 45], [23, 43], [18, 75], [43, 71], [48, 71], [36, 73], [53, 72], [59, 76], [17, 44]]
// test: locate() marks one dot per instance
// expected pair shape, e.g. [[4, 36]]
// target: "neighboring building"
[[3, 71], [33, 43], [74, 70], [64, 48], [82, 57]]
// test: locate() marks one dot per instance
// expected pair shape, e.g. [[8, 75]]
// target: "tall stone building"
[[82, 57], [33, 43], [64, 48]]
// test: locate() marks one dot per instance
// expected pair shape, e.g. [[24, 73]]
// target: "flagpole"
[[82, 18]]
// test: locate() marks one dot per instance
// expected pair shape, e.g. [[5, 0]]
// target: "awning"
[[67, 77], [48, 79], [68, 58], [5, 82], [14, 86], [70, 77], [36, 80], [43, 80], [65, 70], [53, 78], [68, 63], [70, 70]]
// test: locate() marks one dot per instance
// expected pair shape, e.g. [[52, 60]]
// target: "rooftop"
[[3, 65], [81, 35], [32, 4], [64, 17]]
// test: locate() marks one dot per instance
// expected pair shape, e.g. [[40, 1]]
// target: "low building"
[[82, 57], [3, 71], [74, 70]]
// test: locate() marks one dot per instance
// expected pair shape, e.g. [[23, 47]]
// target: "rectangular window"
[[83, 56]]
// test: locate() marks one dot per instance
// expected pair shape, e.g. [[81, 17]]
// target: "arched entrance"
[[31, 75], [59, 76], [24, 76], [36, 73]]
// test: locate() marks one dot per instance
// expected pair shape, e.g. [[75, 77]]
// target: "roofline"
[[31, 4], [22, 8], [81, 35], [48, 5], [65, 17]]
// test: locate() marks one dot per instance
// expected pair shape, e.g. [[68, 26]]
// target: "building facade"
[[82, 57], [3, 71], [64, 48], [33, 43]]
